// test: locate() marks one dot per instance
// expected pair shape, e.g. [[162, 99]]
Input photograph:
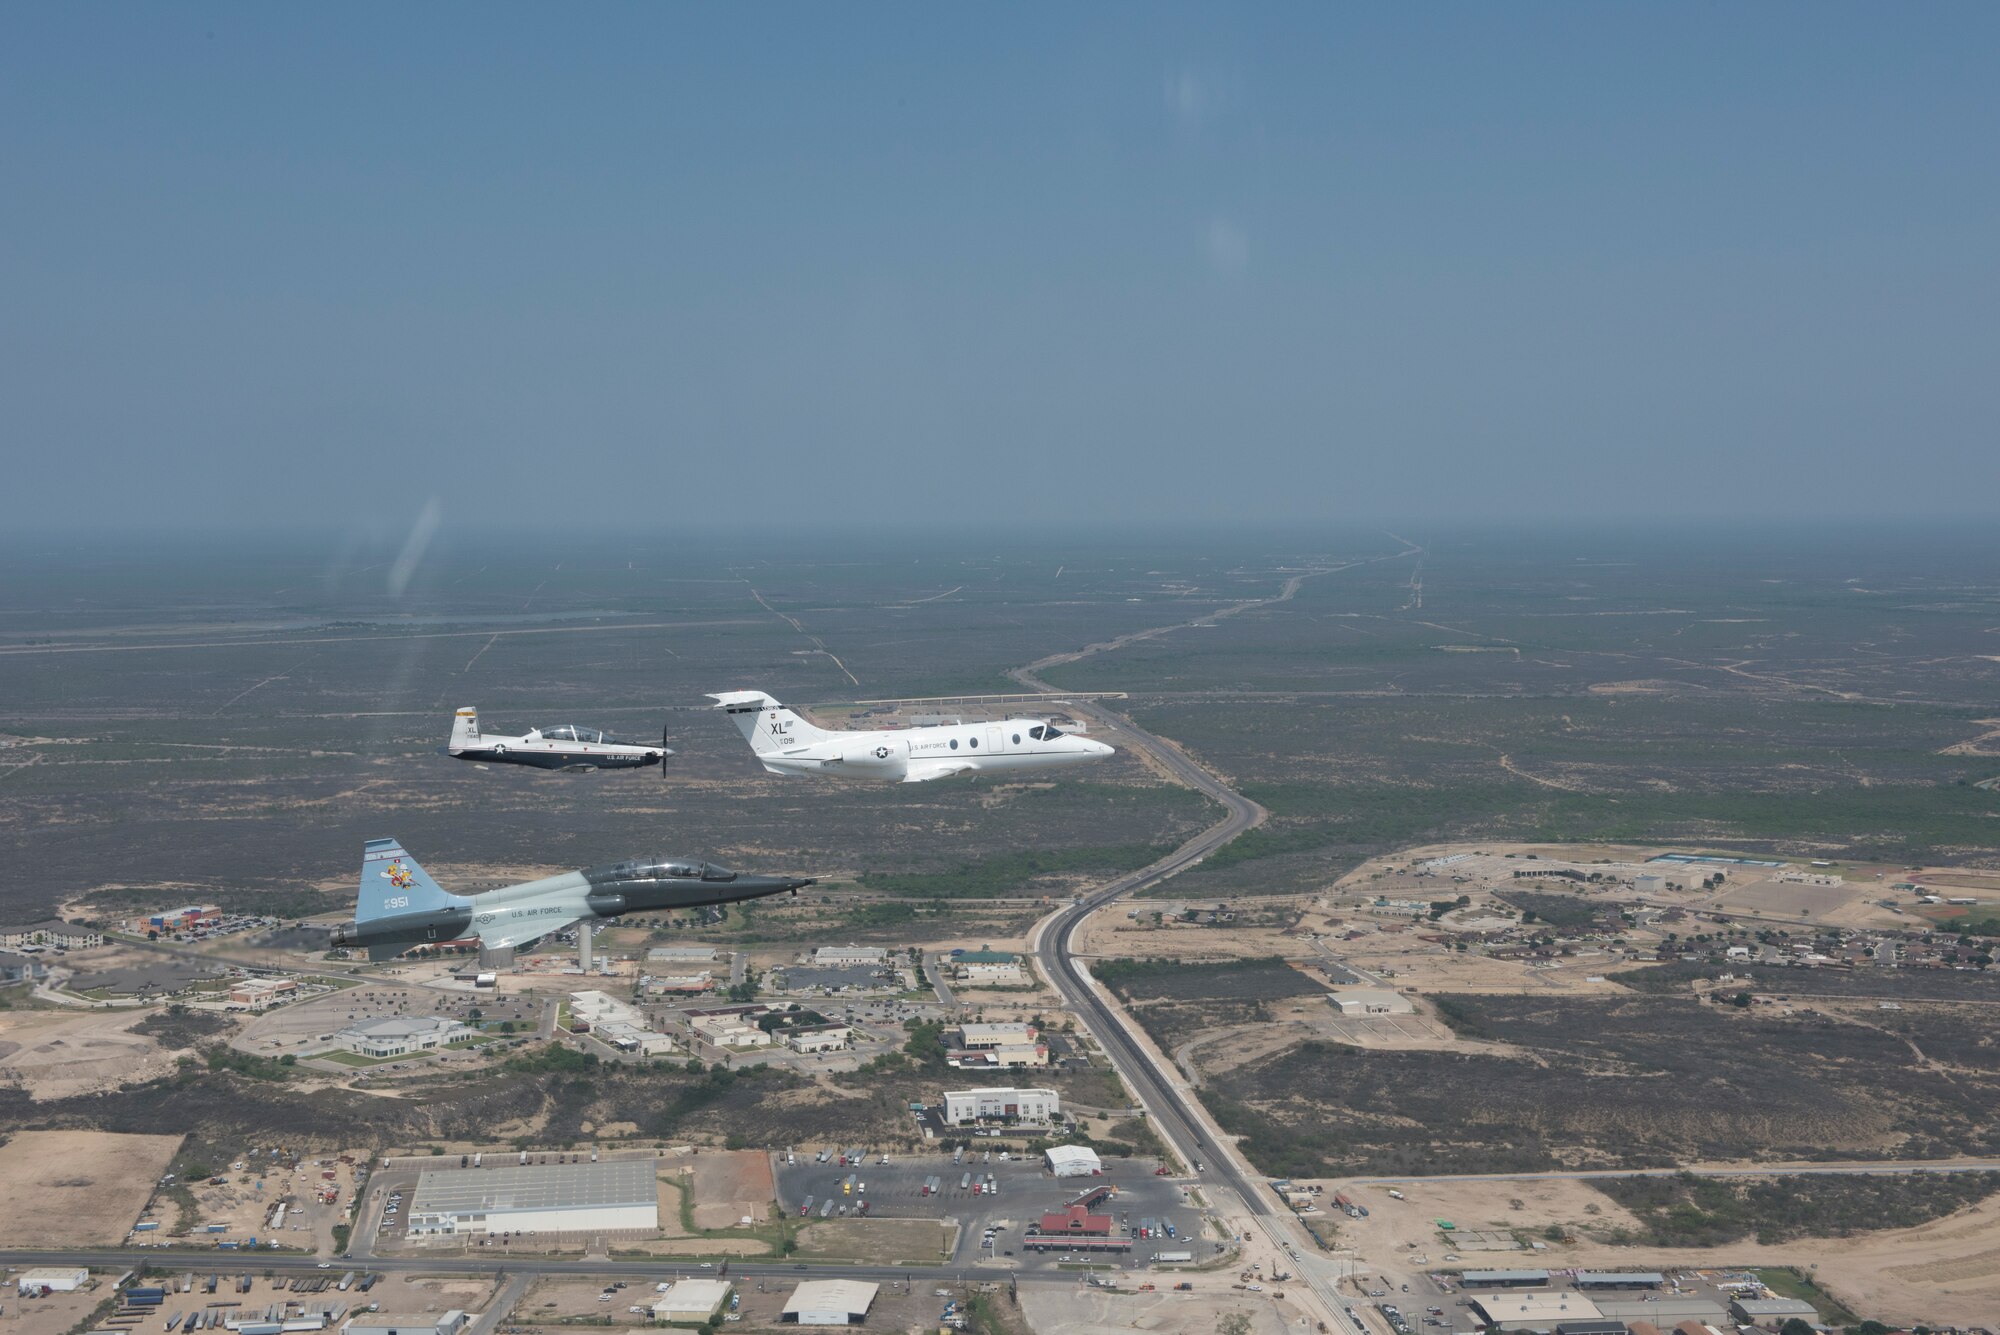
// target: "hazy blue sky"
[[845, 265]]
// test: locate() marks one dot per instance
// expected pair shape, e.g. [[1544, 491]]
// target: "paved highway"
[[497, 1261], [1173, 1116]]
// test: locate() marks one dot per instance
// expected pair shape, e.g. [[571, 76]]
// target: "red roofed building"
[[1078, 1221]]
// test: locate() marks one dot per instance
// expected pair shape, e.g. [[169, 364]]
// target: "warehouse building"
[[830, 1302], [1503, 1279], [978, 1105], [1543, 1310], [1771, 1311], [616, 1196], [691, 1301], [1371, 1001], [1665, 1311], [845, 957], [1073, 1161], [51, 1279], [407, 1323]]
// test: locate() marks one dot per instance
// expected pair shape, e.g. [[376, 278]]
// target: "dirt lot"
[[56, 1054], [1083, 1311], [877, 1241], [78, 1188], [731, 1184], [51, 1315]]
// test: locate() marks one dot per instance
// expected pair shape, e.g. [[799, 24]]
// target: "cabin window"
[[972, 742], [1017, 739], [954, 743]]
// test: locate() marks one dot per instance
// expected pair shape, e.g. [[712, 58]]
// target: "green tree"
[[1796, 1326], [1233, 1323]]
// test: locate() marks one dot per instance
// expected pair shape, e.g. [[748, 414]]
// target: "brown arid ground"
[[53, 1315], [78, 1188], [56, 1054], [1943, 1272], [729, 1184], [878, 1241], [1085, 1311], [1109, 933]]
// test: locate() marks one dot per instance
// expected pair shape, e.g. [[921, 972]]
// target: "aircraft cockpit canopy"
[[569, 732], [659, 869], [1045, 732]]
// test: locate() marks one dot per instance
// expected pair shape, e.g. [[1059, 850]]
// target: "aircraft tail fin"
[[392, 883], [464, 730], [767, 725]]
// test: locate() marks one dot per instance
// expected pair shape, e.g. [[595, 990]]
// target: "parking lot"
[[1023, 1192]]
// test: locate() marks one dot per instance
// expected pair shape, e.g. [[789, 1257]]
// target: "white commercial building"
[[617, 1023], [819, 1038], [54, 1278], [830, 1302], [691, 1300], [400, 1037], [997, 1035], [730, 1031], [992, 975], [1028, 1105], [615, 1196], [837, 957], [1371, 1001], [634, 1038], [1073, 1161]]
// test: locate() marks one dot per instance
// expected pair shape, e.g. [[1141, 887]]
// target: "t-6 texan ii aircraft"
[[567, 747], [399, 906], [787, 744]]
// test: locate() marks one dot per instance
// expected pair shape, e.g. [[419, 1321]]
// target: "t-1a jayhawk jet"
[[567, 747], [786, 744]]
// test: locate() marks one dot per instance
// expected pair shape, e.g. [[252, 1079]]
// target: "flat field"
[[78, 1188]]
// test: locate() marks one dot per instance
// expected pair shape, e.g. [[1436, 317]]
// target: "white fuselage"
[[952, 748]]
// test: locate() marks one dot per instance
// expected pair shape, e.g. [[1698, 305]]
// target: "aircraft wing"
[[506, 931], [938, 769]]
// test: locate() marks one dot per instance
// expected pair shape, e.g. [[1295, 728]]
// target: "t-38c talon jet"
[[400, 907]]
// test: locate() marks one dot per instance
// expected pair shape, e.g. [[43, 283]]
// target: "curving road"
[[1173, 1115]]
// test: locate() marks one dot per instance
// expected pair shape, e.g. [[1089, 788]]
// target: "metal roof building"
[[1504, 1279], [1542, 1310], [1073, 1161], [1620, 1279], [1760, 1310], [830, 1302], [616, 1196], [691, 1300], [1664, 1312]]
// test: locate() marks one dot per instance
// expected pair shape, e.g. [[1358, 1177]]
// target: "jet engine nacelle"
[[605, 903], [889, 760]]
